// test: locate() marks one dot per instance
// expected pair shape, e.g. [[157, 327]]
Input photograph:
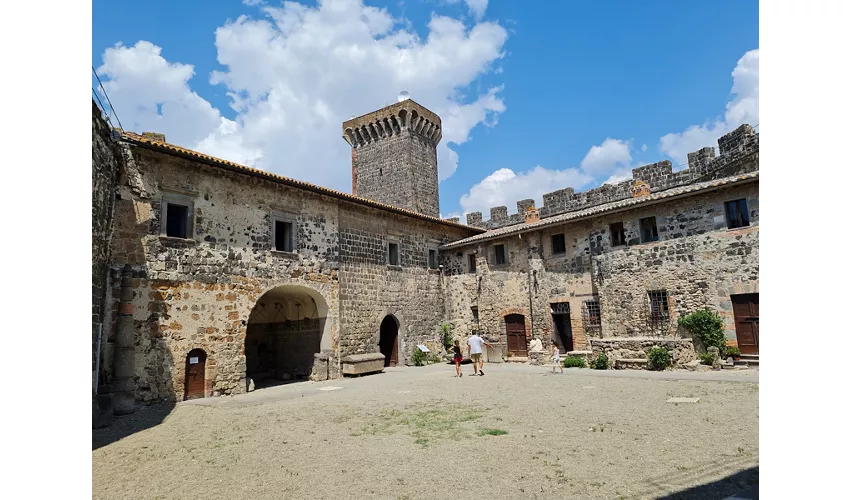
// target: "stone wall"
[[200, 292], [681, 350], [371, 289], [106, 164], [738, 155], [696, 259]]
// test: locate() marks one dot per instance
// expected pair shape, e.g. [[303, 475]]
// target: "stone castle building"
[[210, 277]]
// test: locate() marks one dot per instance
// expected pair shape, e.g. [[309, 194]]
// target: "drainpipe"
[[97, 358], [124, 385], [530, 288]]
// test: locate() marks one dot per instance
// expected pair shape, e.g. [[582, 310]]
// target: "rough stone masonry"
[[242, 278]]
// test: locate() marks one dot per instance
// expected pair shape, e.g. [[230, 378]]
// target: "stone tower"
[[394, 156]]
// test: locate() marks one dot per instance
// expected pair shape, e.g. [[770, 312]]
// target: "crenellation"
[[739, 155], [474, 219], [498, 214]]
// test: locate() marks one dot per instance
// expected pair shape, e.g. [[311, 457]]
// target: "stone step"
[[747, 362], [749, 357]]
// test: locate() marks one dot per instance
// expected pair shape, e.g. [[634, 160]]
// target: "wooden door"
[[196, 362], [394, 355], [746, 310], [515, 329]]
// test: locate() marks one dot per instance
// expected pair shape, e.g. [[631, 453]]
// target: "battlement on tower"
[[738, 155], [407, 115]]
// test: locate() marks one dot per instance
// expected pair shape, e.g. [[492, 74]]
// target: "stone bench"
[[635, 363], [361, 364]]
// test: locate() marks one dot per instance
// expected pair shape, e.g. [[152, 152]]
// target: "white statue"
[[536, 345]]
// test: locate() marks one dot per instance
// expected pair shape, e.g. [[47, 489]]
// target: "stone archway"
[[286, 328], [388, 340]]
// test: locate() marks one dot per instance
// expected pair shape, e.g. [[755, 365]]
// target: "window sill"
[[394, 267], [738, 228], [433, 271], [286, 255]]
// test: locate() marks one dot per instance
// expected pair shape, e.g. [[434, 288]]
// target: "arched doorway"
[[388, 340], [515, 330], [286, 329], [196, 376]]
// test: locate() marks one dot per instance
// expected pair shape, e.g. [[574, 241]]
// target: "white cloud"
[[643, 148], [505, 187], [294, 75], [477, 7], [743, 108], [610, 154]]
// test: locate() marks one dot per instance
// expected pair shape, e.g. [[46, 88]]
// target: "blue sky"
[[526, 90]]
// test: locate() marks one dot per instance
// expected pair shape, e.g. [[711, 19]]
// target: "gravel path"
[[517, 432]]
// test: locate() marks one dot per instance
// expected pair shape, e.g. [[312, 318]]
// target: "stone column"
[[124, 361]]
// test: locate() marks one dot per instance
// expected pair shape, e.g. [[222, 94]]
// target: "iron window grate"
[[591, 313]]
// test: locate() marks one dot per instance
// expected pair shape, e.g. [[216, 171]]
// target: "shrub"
[[574, 362], [706, 358], [601, 362], [733, 351], [446, 332], [659, 358], [706, 326], [418, 357], [433, 358]]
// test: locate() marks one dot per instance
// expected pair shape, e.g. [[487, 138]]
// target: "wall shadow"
[[145, 417], [743, 484]]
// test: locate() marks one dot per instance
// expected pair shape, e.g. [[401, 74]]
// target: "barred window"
[[592, 316], [659, 309]]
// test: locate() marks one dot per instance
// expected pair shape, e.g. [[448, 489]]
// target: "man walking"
[[475, 343]]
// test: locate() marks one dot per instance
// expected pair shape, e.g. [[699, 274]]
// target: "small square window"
[[284, 236], [475, 315], [470, 258], [737, 214], [177, 220], [559, 244], [432, 259], [392, 254], [618, 234], [648, 230], [500, 255]]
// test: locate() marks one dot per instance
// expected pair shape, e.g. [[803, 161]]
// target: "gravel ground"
[[417, 433]]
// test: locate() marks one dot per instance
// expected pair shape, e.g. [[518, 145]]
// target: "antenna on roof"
[[403, 95]]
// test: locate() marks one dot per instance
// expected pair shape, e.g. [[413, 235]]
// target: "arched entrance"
[[388, 340], [196, 376], [286, 328], [515, 330]]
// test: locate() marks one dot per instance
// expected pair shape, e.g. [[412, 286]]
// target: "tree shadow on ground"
[[143, 418], [743, 484]]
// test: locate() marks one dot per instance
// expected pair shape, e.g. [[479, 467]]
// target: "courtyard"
[[417, 433]]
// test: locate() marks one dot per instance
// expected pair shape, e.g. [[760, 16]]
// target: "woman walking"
[[458, 357]]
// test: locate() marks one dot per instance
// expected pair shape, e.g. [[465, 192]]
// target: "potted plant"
[[734, 352]]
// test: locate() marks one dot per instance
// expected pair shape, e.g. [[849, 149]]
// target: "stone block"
[[494, 355], [361, 364]]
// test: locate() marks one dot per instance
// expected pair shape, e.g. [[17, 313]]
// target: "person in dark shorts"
[[458, 357]]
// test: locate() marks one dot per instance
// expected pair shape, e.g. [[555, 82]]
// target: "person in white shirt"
[[475, 344], [556, 358]]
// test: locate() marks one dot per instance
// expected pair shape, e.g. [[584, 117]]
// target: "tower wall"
[[394, 156]]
